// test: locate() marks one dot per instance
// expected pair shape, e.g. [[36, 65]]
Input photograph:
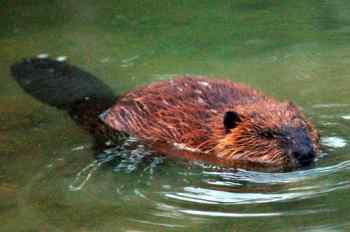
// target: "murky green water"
[[296, 50]]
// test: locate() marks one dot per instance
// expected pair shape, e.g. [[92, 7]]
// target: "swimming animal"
[[193, 117]]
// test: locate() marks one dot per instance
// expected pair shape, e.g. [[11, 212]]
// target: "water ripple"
[[208, 191], [210, 196], [251, 215]]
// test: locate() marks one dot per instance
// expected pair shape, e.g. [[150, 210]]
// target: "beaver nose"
[[305, 159], [305, 155], [300, 146]]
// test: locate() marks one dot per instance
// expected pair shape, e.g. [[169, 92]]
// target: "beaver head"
[[269, 133]]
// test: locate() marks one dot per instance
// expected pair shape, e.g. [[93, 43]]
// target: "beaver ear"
[[231, 120]]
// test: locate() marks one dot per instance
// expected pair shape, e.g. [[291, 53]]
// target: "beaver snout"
[[302, 149], [304, 156]]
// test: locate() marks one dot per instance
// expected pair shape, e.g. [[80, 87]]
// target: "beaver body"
[[191, 117], [218, 120]]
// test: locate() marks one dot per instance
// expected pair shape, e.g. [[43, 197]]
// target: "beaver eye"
[[268, 134]]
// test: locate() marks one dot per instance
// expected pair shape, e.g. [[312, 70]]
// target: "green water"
[[296, 50]]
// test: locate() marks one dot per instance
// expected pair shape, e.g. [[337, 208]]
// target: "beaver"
[[193, 117]]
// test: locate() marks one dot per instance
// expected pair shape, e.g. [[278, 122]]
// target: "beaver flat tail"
[[68, 88], [58, 83]]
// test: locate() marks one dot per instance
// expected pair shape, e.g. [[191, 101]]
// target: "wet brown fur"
[[186, 115]]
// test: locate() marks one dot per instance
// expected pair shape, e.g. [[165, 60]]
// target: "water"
[[294, 50]]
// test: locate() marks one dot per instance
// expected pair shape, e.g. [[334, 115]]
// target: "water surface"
[[297, 50]]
